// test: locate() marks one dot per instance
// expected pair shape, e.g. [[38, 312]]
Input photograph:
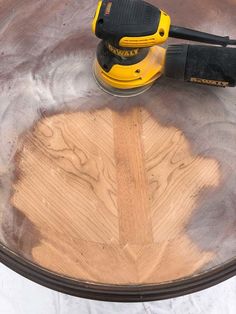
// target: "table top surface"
[[109, 198]]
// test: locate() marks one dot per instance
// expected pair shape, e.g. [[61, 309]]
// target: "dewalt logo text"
[[209, 82], [122, 53]]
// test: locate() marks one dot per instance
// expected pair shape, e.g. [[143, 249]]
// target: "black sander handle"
[[200, 64]]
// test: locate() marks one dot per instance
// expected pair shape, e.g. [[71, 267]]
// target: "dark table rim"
[[115, 293]]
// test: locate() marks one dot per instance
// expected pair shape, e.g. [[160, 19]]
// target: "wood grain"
[[132, 194], [112, 198]]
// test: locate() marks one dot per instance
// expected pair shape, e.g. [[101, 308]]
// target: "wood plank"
[[133, 202]]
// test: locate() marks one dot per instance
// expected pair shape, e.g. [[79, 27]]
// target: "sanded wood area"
[[111, 195]]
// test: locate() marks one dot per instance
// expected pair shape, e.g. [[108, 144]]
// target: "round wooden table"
[[108, 198]]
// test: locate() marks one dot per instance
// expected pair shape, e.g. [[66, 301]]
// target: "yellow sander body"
[[128, 59], [133, 79]]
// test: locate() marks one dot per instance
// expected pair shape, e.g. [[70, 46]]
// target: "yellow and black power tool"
[[129, 59]]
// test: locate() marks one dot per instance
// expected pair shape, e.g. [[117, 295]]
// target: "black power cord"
[[190, 34]]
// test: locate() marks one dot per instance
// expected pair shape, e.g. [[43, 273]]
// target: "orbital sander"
[[130, 59]]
